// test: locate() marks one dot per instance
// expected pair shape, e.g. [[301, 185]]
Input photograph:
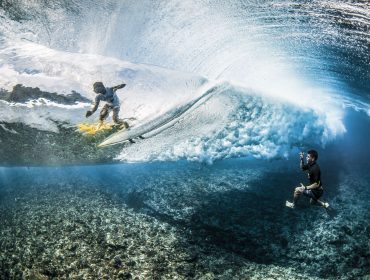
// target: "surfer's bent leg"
[[104, 113], [116, 118]]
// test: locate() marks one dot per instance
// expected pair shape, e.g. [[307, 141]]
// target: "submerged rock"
[[124, 275], [22, 94], [116, 262]]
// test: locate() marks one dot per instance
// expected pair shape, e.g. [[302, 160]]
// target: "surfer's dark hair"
[[99, 87], [314, 154]]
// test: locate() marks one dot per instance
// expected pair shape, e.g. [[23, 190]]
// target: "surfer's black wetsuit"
[[314, 176]]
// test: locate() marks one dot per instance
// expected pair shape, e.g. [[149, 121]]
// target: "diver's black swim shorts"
[[314, 194]]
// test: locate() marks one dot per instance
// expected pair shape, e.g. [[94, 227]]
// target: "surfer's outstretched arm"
[[94, 107], [119, 87]]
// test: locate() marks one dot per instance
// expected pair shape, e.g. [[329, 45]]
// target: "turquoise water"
[[204, 199], [222, 219]]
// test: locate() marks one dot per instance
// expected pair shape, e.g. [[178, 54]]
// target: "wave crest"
[[237, 123]]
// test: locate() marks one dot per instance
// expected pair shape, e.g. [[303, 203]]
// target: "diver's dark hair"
[[99, 87], [314, 154]]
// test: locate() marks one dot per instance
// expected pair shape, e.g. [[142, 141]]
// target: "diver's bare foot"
[[289, 204]]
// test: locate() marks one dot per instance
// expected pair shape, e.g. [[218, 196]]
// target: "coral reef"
[[179, 221], [65, 232]]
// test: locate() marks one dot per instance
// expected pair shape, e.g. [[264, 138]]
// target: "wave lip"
[[236, 122]]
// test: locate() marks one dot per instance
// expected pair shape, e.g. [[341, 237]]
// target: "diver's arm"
[[119, 87], [301, 163]]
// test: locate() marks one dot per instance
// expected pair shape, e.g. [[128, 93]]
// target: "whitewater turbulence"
[[264, 101]]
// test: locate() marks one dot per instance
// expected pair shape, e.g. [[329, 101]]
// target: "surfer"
[[314, 190], [107, 94]]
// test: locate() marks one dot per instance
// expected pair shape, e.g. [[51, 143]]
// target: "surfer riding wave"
[[107, 94]]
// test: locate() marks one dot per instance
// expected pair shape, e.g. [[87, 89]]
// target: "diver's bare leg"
[[297, 192], [323, 204], [296, 195]]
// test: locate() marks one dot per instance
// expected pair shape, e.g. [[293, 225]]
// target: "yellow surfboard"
[[95, 128]]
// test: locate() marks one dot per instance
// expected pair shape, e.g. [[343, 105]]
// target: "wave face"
[[250, 42], [234, 122], [285, 70]]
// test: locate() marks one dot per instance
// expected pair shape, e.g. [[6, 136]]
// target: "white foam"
[[235, 123], [150, 90], [41, 115]]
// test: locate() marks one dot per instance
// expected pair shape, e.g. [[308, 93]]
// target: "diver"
[[314, 190], [107, 94]]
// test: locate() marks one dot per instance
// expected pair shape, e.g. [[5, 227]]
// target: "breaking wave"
[[275, 67]]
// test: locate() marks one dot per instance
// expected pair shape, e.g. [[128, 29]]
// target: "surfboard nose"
[[101, 145], [113, 140], [105, 143]]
